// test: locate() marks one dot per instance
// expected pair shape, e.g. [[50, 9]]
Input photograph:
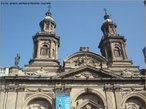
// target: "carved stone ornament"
[[127, 73], [84, 60], [132, 105], [40, 72], [85, 75]]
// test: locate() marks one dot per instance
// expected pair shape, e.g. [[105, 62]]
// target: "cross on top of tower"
[[48, 13], [105, 11], [106, 16], [49, 6]]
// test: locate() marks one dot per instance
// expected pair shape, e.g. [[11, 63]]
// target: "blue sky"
[[78, 24]]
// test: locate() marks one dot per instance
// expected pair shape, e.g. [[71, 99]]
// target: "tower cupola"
[[46, 44], [48, 24], [108, 27], [112, 45]]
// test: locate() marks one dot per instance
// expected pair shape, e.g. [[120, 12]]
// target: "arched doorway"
[[89, 100], [39, 103], [134, 103]]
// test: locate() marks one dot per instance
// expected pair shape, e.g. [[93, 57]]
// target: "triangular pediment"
[[87, 72], [88, 104]]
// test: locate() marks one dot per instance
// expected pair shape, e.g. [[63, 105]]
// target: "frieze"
[[137, 89], [37, 90], [111, 87], [63, 89], [132, 89], [126, 89], [12, 89], [108, 87], [117, 89]]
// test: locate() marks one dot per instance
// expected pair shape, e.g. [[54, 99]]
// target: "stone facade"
[[93, 81]]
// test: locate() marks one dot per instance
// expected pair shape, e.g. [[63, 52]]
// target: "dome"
[[49, 18], [107, 20], [48, 24]]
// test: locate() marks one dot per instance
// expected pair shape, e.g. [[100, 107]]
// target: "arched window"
[[51, 27], [39, 103], [135, 103], [86, 100], [44, 50], [117, 52], [47, 26]]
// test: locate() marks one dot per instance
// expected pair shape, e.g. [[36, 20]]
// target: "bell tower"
[[112, 45], [46, 44]]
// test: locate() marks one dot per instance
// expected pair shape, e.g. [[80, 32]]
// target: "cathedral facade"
[[86, 80]]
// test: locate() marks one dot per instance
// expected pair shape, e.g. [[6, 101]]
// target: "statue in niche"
[[17, 59]]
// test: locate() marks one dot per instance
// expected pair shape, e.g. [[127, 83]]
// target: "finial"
[[49, 6], [105, 11], [49, 10], [106, 16]]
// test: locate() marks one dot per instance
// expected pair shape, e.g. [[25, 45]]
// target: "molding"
[[132, 94], [92, 91], [37, 95]]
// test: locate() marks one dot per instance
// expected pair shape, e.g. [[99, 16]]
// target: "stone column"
[[20, 101], [11, 100], [19, 95], [109, 97], [2, 97], [4, 101], [118, 98]]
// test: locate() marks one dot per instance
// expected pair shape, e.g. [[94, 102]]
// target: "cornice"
[[46, 79]]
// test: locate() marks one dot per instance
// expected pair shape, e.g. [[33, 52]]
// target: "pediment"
[[88, 104], [86, 72], [80, 59]]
